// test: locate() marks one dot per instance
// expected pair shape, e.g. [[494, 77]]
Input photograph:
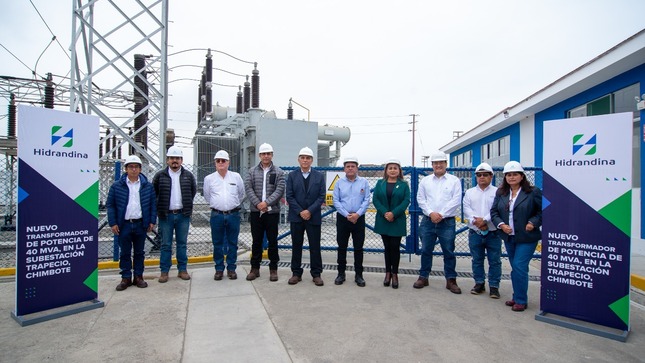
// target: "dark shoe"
[[124, 284], [318, 281], [339, 279], [255, 273], [451, 284], [183, 275], [163, 278], [139, 282], [478, 289], [509, 303], [388, 278], [273, 275], [360, 281], [519, 307], [494, 293], [294, 279], [421, 283], [231, 275], [218, 275], [395, 281]]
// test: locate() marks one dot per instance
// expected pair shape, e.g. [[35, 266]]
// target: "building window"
[[463, 160], [622, 100], [498, 152]]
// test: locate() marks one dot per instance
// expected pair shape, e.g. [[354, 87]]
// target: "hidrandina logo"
[[581, 147], [67, 137], [61, 138], [580, 144]]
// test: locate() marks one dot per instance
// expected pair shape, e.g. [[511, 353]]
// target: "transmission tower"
[[119, 72]]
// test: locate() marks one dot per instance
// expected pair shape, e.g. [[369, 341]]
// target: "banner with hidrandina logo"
[[57, 225], [586, 217]]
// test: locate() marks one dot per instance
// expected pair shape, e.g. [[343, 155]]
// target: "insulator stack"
[[49, 92], [209, 82], [11, 126], [247, 94], [240, 100], [290, 111], [255, 91], [140, 99]]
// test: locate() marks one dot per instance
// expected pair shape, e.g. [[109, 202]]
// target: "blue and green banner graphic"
[[57, 225], [586, 231]]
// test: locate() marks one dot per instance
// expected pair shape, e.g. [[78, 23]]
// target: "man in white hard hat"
[[439, 197], [175, 188], [224, 193], [264, 185], [482, 234], [305, 195], [132, 212], [351, 200]]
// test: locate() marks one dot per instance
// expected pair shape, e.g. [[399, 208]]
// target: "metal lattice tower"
[[130, 101]]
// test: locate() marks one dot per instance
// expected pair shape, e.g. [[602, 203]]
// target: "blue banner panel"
[[57, 224], [54, 248], [579, 264]]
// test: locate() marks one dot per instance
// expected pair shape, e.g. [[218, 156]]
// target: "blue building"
[[613, 82]]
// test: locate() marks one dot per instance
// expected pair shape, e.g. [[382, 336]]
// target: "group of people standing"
[[512, 213]]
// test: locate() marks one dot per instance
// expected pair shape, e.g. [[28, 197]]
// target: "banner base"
[[583, 326], [39, 317]]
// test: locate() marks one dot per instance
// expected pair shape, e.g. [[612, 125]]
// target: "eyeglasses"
[[220, 161], [480, 175]]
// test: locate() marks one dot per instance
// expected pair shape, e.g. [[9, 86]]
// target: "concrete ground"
[[202, 320]]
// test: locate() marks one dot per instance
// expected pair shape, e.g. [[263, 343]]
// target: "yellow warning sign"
[[333, 183]]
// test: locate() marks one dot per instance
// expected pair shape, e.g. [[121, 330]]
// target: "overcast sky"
[[366, 65]]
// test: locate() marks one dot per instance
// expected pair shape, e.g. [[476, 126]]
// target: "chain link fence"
[[199, 238]]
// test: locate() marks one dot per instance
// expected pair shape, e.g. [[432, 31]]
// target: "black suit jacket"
[[527, 208], [300, 199]]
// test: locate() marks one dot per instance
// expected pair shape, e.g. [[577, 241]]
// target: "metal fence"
[[199, 238]]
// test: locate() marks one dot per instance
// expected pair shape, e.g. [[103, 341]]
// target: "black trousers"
[[298, 230], [268, 224], [345, 229], [392, 253]]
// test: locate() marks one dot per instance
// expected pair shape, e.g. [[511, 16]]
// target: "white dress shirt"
[[439, 194], [133, 210], [477, 203], [224, 193]]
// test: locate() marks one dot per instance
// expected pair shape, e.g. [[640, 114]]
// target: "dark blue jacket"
[[311, 199], [527, 208], [117, 202]]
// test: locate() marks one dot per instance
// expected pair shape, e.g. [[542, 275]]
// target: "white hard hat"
[[306, 151], [175, 152], [513, 167], [265, 148], [351, 159], [438, 156], [132, 159], [393, 161], [484, 167], [222, 154]]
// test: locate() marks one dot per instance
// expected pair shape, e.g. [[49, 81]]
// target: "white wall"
[[527, 141]]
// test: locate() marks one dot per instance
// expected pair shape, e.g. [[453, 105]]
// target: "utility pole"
[[414, 122]]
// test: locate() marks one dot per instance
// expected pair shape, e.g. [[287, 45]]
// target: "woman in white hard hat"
[[391, 198], [517, 212]]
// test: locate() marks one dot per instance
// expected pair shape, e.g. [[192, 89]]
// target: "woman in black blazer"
[[391, 198], [517, 213]]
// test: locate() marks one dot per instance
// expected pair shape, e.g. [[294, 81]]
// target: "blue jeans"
[[444, 232], [132, 236], [490, 245], [520, 254], [225, 229], [177, 223]]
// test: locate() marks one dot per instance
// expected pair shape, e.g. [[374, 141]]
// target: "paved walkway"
[[202, 320]]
